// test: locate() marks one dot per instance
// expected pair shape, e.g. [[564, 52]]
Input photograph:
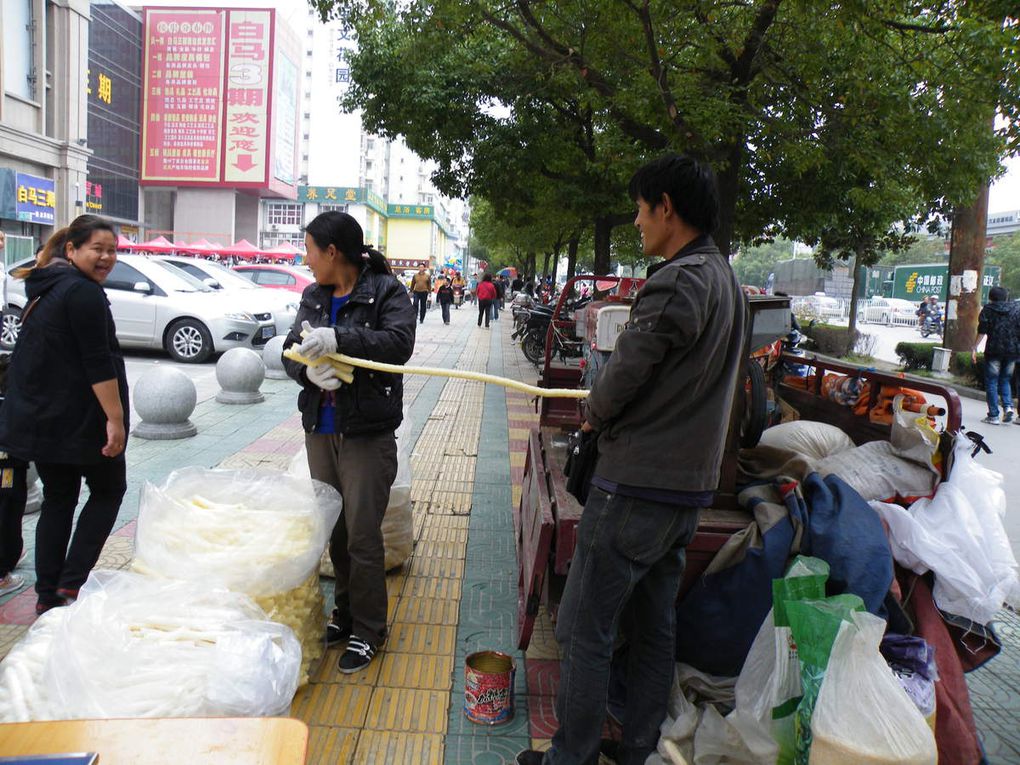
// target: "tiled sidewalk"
[[458, 592]]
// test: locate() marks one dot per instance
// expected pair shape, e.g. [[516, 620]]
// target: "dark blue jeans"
[[998, 375], [629, 560], [421, 303]]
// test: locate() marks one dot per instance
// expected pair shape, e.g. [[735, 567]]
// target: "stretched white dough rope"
[[343, 360]]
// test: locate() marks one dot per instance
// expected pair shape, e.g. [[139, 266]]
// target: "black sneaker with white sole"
[[336, 633], [358, 655]]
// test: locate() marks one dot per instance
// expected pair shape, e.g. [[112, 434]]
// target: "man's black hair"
[[689, 183], [998, 294]]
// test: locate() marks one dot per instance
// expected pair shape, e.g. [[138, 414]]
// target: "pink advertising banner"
[[248, 91], [183, 96]]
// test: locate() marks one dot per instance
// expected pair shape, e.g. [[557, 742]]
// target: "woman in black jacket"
[[444, 296], [67, 403], [356, 307]]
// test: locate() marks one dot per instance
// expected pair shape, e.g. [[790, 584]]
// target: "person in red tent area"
[[486, 296]]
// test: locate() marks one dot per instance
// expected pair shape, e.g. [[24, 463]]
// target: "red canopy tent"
[[242, 249], [123, 243], [159, 244], [285, 250]]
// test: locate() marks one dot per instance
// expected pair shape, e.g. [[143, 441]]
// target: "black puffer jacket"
[[1000, 321], [376, 323], [67, 344]]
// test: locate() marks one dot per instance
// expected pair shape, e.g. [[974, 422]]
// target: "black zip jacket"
[[1001, 323], [67, 344], [376, 323]]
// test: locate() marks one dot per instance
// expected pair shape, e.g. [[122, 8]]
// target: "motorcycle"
[[932, 325], [458, 296], [536, 330]]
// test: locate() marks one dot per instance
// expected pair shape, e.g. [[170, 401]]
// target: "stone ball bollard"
[[164, 398], [272, 359], [240, 372]]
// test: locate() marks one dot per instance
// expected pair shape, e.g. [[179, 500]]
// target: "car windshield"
[[174, 279], [226, 277]]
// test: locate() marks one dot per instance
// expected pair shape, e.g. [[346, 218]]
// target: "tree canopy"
[[825, 123]]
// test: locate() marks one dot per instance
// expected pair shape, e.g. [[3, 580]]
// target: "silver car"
[[156, 305], [283, 305]]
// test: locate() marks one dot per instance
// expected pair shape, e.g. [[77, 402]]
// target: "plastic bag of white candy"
[[260, 532], [136, 646]]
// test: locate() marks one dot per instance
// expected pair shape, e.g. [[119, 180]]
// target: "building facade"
[[44, 150]]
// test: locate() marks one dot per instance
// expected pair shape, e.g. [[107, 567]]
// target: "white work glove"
[[324, 376], [317, 342]]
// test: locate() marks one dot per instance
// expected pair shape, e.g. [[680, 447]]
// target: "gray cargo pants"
[[362, 469]]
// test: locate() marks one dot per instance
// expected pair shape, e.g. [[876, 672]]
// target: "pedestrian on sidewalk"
[[444, 296], [13, 496], [355, 306], [486, 297], [67, 403], [421, 288], [999, 321], [661, 408], [500, 296]]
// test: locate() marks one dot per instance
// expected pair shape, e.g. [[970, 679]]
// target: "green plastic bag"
[[804, 580], [815, 625]]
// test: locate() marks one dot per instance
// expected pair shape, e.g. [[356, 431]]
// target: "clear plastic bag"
[[260, 532], [863, 716], [137, 646], [959, 534], [398, 523]]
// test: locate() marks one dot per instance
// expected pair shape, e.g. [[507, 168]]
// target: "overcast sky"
[[1005, 194]]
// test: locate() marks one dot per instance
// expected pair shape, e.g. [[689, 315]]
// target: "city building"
[[44, 150], [220, 99], [381, 182], [113, 89]]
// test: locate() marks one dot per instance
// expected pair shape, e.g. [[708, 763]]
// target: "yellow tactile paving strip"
[[397, 710]]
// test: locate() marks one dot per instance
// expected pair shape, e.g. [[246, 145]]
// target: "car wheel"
[[189, 341], [11, 328]]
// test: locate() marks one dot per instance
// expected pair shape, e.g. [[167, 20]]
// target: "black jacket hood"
[[42, 280]]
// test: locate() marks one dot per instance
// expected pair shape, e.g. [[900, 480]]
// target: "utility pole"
[[966, 268]]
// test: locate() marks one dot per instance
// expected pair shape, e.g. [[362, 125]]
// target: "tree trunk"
[[603, 239], [854, 297], [572, 246], [556, 261], [728, 183], [966, 267], [545, 266], [532, 265]]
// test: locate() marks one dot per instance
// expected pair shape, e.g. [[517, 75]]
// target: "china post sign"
[[36, 199]]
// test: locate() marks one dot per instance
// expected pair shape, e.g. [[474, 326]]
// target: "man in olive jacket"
[[661, 407]]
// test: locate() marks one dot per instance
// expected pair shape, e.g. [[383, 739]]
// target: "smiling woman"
[[67, 403]]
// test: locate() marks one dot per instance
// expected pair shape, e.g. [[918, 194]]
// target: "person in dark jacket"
[[444, 296], [661, 408], [357, 307], [999, 321], [67, 403]]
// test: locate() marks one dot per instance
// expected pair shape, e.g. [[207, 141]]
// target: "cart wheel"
[[752, 424]]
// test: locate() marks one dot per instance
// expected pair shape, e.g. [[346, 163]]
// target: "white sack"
[[815, 440]]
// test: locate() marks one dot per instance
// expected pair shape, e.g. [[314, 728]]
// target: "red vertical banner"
[[183, 96], [247, 80]]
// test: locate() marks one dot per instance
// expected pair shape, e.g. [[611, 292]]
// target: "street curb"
[[962, 390]]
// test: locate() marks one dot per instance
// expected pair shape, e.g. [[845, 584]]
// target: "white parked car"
[[816, 306], [889, 311], [283, 305], [156, 305]]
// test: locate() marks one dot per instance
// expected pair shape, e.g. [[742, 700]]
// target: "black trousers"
[[58, 566], [13, 495], [483, 311]]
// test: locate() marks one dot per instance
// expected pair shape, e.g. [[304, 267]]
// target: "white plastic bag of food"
[[815, 440], [398, 523], [22, 696], [259, 532], [137, 646], [863, 716]]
